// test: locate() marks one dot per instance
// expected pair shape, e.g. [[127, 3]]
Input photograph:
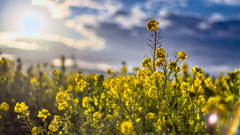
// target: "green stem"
[[137, 127], [26, 121], [155, 44]]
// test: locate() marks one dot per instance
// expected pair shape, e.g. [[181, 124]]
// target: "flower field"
[[165, 97]]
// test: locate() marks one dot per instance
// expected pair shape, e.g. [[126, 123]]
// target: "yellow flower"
[[156, 75], [78, 77], [172, 65], [96, 77], [160, 53], [36, 130], [146, 62], [217, 129], [61, 96], [152, 25], [197, 127], [208, 82], [54, 125], [55, 72], [126, 127], [0, 117], [185, 87], [150, 116], [153, 92], [85, 101], [82, 84], [158, 124], [43, 114], [124, 69], [62, 99], [4, 106], [114, 82], [109, 71], [196, 69], [184, 67], [21, 108], [160, 62], [75, 102], [33, 80], [182, 56]]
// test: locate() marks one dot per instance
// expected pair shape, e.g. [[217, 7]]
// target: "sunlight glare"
[[212, 119], [31, 25]]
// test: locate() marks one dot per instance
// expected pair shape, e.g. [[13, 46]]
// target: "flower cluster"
[[43, 114], [160, 53], [126, 127], [152, 25], [21, 108], [181, 56], [54, 125], [4, 106], [36, 130], [147, 62], [81, 83], [55, 72], [62, 98]]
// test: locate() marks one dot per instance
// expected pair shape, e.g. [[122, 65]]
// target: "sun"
[[31, 24]]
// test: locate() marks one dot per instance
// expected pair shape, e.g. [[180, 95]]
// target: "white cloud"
[[60, 10], [203, 25], [57, 10], [163, 23], [9, 39], [7, 56], [134, 19], [90, 38], [215, 17], [226, 2], [58, 62], [100, 66]]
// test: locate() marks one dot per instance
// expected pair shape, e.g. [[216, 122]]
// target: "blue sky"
[[102, 33]]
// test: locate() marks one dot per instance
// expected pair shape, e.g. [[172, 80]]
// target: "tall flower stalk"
[[154, 39]]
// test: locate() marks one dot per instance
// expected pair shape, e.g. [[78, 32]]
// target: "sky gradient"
[[100, 34]]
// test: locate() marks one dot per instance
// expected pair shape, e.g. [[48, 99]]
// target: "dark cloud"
[[75, 11], [216, 45], [121, 13]]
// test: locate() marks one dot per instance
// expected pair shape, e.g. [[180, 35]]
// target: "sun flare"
[[31, 24]]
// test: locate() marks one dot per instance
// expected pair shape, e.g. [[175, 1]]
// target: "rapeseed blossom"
[[196, 69], [181, 56], [160, 53], [4, 106], [126, 127], [43, 114], [153, 92], [36, 130], [160, 62], [55, 72], [96, 77], [184, 67], [62, 98], [152, 25], [146, 62], [54, 125], [21, 108], [81, 83], [172, 65], [109, 71]]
